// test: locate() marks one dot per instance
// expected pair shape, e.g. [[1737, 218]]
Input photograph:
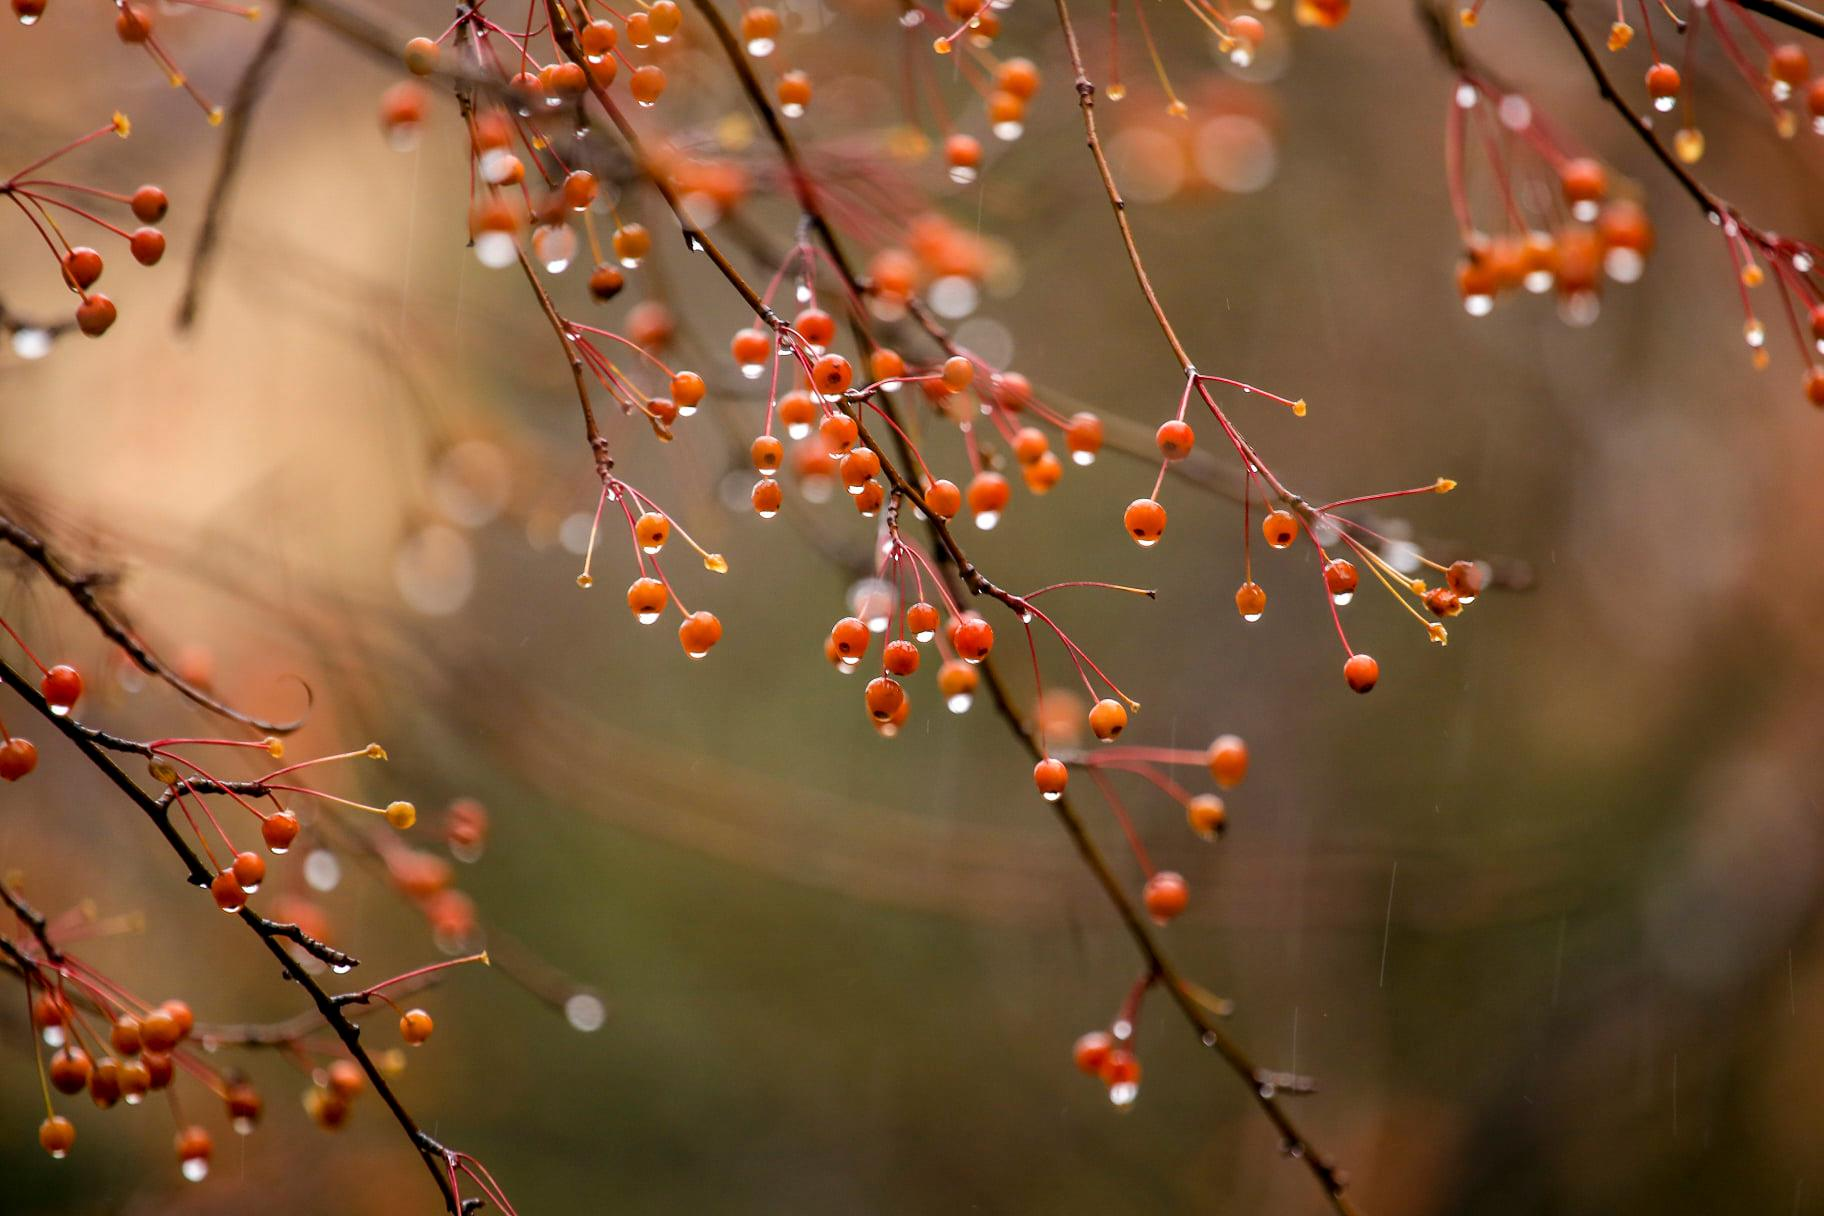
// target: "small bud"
[[375, 752], [401, 815]]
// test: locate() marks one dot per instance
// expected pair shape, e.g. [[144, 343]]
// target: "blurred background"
[[1540, 915]]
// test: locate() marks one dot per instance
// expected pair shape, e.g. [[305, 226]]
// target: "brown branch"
[[81, 590], [272, 934], [1605, 85], [241, 107]]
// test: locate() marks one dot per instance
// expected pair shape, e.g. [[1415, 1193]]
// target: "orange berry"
[[901, 658], [56, 1136], [1083, 437], [421, 56], [832, 375], [1662, 85], [943, 499], [249, 870], [70, 1069], [1340, 579], [839, 433], [229, 896], [1175, 439], [1361, 671], [1228, 761], [194, 1146], [278, 830], [1251, 600], [605, 282], [632, 242], [794, 93], [598, 39], [1280, 528], [973, 639], [1789, 64], [646, 599], [699, 633], [958, 373], [858, 467], [1090, 1050], [1166, 895], [956, 681], [850, 636], [1584, 180], [1206, 815], [1018, 77], [921, 621], [646, 83], [767, 497], [1145, 521], [415, 1026], [1107, 718], [124, 1035], [767, 452], [815, 326], [884, 698], [1051, 776], [988, 497]]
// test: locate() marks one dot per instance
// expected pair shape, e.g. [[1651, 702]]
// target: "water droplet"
[[985, 520], [1466, 96], [243, 1126], [1251, 617], [925, 635], [1053, 795], [341, 968], [196, 1168], [1009, 131], [59, 711], [959, 704], [753, 371], [760, 48], [496, 249], [1342, 600], [1478, 305], [1083, 458], [1664, 104], [962, 175], [1124, 1094], [1585, 210], [585, 1012], [322, 871], [798, 430], [792, 110], [30, 342], [647, 618]]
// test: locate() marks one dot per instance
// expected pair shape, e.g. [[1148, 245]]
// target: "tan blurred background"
[[1540, 915]]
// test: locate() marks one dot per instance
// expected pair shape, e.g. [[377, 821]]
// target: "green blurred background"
[[1540, 915]]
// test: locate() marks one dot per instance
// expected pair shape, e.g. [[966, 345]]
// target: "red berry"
[[148, 245], [82, 266], [279, 829], [973, 639], [415, 1026], [95, 314], [17, 758], [1176, 439], [943, 499], [1108, 718], [1145, 521], [1051, 776], [249, 870], [56, 1134], [150, 204], [699, 633], [1228, 761], [1361, 671], [884, 698], [1090, 1050], [832, 375], [61, 686], [1166, 895], [1280, 528], [229, 896]]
